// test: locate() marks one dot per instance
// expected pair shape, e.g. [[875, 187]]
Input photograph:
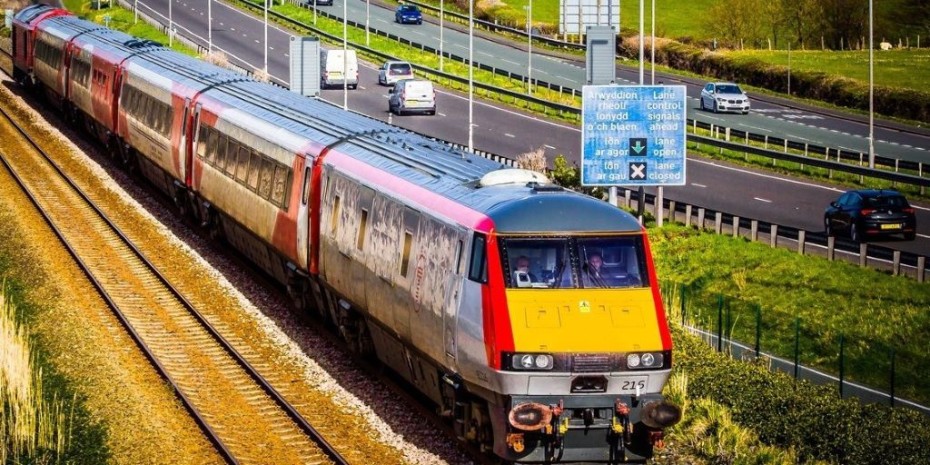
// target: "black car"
[[869, 213]]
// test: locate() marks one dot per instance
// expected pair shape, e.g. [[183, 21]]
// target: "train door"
[[403, 304], [184, 161], [303, 218], [452, 298]]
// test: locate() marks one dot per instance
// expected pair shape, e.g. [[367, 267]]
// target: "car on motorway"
[[405, 14], [724, 96], [392, 71], [869, 213], [311, 3], [412, 96]]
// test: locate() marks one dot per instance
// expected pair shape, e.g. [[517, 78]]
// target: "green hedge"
[[795, 414], [891, 101]]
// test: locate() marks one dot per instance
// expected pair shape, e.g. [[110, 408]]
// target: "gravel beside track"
[[142, 416]]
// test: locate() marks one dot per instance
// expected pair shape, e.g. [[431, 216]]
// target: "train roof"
[[426, 162], [32, 12], [183, 69], [67, 27]]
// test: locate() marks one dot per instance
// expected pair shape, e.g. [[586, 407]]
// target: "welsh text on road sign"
[[633, 135]]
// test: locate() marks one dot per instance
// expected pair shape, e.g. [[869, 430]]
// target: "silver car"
[[724, 96], [393, 71]]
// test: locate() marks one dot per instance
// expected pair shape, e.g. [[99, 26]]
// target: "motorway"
[[744, 192]]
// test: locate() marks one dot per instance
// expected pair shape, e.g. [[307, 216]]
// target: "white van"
[[338, 68], [412, 96]]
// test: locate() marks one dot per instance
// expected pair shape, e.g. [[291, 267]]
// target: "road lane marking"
[[762, 200]]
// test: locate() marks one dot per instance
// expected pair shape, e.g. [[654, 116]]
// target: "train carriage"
[[93, 78], [250, 173], [53, 50], [24, 32]]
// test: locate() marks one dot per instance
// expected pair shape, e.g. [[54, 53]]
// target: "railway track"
[[242, 414]]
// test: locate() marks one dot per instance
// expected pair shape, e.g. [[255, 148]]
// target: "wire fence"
[[866, 368]]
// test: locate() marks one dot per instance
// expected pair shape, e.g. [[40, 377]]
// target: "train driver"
[[522, 272], [595, 273]]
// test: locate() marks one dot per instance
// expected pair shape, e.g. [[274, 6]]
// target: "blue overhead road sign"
[[633, 135]]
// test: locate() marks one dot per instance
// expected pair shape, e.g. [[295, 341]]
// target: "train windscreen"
[[574, 262]]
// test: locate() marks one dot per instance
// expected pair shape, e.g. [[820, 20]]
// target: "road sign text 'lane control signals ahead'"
[[633, 135]]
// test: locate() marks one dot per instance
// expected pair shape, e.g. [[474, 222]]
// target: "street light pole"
[[642, 53], [789, 68], [367, 18], [471, 67], [135, 12], [345, 54], [653, 43], [170, 25], [209, 27], [871, 94], [265, 66], [442, 17], [529, 48]]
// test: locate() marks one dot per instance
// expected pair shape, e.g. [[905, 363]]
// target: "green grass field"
[[896, 68], [674, 17]]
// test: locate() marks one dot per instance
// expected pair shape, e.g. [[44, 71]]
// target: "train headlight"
[[531, 362], [645, 360]]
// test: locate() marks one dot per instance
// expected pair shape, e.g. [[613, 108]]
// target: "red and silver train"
[[478, 284]]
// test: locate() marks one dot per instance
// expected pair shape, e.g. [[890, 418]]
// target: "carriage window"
[[232, 152], [363, 225], [212, 142], [334, 219], [459, 263], [167, 116], [255, 164], [306, 194], [202, 142], [405, 260], [221, 149], [265, 179], [478, 265], [279, 192], [243, 164]]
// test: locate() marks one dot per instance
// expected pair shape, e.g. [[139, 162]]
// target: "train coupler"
[[620, 424]]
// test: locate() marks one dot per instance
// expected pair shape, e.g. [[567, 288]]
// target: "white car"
[[724, 96], [393, 71]]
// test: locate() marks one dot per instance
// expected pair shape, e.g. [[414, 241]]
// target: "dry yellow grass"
[[29, 424]]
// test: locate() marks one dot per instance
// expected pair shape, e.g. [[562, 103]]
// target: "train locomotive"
[[409, 247]]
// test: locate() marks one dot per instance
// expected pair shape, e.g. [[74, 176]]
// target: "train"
[[407, 246]]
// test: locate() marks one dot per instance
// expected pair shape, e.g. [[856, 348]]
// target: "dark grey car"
[[870, 213]]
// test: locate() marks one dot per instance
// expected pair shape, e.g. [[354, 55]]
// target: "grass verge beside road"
[[872, 310]]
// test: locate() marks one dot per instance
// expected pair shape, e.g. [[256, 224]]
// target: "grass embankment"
[[872, 311], [902, 68], [42, 420]]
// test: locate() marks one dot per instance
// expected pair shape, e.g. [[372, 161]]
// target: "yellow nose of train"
[[584, 320]]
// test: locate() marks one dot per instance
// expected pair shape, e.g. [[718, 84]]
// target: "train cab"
[[581, 345]]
